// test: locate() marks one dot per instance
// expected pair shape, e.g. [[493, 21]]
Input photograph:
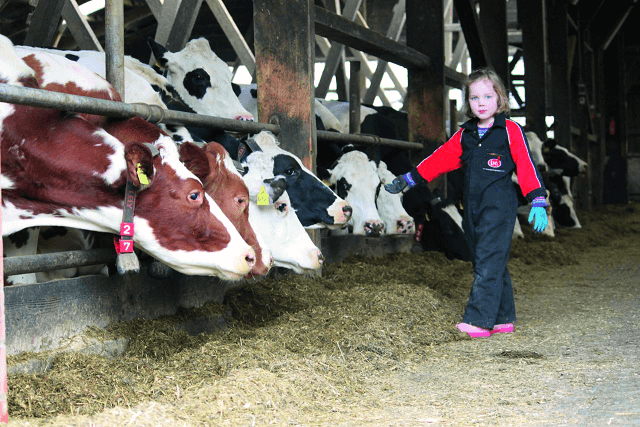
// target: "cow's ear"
[[158, 52], [324, 174], [139, 164], [194, 158]]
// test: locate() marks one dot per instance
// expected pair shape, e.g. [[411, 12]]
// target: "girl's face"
[[483, 101]]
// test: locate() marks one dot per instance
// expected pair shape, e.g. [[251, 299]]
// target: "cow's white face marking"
[[356, 181], [390, 206], [187, 71], [117, 162]]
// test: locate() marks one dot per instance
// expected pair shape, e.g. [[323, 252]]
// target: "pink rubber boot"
[[503, 328], [473, 331]]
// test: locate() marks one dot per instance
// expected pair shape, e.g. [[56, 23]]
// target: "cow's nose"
[[251, 259], [245, 117], [347, 211], [320, 258], [373, 228]]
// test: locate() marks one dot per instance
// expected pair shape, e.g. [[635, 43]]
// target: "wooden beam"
[[336, 52], [237, 41], [493, 21], [425, 91], [44, 23], [393, 32], [176, 23], [473, 33], [337, 28], [531, 18], [559, 85], [79, 27]]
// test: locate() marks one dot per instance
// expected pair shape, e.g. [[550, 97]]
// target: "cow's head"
[[201, 78], [558, 157], [355, 179], [275, 220], [182, 224], [228, 190], [395, 217], [315, 204]]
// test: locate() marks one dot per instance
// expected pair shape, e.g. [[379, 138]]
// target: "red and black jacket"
[[503, 149]]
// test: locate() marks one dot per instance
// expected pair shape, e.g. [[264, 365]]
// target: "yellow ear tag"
[[263, 196], [141, 176]]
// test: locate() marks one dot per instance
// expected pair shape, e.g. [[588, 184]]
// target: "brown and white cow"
[[62, 170]]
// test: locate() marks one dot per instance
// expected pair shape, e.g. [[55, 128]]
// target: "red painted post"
[[4, 410]]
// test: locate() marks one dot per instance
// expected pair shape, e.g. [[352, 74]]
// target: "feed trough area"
[[370, 342]]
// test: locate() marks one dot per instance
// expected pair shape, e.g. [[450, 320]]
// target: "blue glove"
[[400, 183], [539, 215]]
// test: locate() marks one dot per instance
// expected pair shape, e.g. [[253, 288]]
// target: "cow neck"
[[125, 244]]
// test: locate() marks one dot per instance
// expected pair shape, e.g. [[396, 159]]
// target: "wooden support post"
[[284, 39], [354, 97], [425, 92], [559, 87], [473, 33], [176, 23], [43, 23], [531, 18]]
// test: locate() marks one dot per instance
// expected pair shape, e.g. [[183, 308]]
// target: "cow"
[[355, 179], [46, 183], [194, 80], [225, 185], [395, 217], [60, 74], [315, 204], [275, 219]]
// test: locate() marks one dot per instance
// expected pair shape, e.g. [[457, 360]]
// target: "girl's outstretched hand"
[[538, 216]]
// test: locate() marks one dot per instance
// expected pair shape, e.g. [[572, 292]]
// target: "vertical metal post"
[[354, 97], [114, 44]]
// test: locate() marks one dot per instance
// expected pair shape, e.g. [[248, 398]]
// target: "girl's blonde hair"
[[498, 86]]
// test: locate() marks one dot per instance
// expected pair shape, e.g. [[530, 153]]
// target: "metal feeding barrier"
[[152, 113]]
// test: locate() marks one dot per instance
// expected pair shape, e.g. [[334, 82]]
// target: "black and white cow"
[[315, 204]]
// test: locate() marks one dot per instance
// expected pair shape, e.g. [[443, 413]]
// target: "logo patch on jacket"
[[495, 163]]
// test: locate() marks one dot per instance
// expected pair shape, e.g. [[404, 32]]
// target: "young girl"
[[490, 147]]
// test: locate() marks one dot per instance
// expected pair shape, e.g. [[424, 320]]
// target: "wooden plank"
[[237, 41], [176, 23], [425, 91], [531, 18], [473, 33], [354, 97], [79, 27], [44, 23], [339, 29], [336, 52], [284, 62]]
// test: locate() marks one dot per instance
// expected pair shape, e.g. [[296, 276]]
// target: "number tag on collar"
[[263, 196], [141, 176]]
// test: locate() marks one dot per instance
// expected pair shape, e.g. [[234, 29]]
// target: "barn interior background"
[[572, 68]]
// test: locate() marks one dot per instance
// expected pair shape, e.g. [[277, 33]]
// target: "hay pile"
[[295, 341]]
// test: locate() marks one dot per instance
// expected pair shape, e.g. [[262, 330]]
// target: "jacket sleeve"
[[528, 176], [445, 159]]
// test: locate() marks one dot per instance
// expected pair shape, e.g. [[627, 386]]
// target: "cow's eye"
[[290, 172], [195, 196], [242, 203]]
